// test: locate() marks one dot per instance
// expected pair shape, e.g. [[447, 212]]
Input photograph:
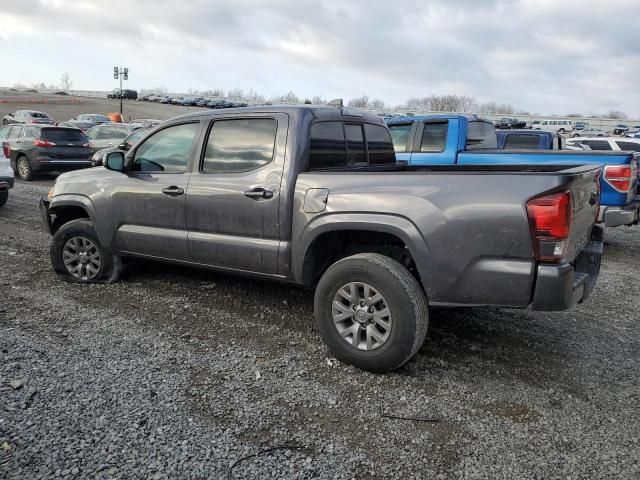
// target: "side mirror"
[[114, 161]]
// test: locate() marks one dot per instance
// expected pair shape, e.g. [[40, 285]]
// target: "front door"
[[149, 201], [234, 193]]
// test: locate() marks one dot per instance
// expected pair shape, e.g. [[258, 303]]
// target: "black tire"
[[561, 131], [26, 172], [403, 296], [4, 196], [110, 265]]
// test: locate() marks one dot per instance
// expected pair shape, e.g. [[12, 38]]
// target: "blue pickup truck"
[[470, 140]]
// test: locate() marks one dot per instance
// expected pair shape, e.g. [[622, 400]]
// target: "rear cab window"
[[628, 146], [335, 145], [481, 135], [521, 142]]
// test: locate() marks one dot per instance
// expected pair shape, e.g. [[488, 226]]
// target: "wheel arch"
[[311, 256], [70, 207]]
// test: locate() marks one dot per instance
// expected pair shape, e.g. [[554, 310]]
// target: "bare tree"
[[359, 102], [65, 81], [377, 104], [318, 100], [236, 93], [616, 115]]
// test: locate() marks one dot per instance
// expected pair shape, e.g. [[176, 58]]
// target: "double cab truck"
[[314, 196], [469, 140]]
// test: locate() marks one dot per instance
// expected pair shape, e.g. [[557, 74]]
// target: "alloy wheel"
[[81, 257], [361, 316]]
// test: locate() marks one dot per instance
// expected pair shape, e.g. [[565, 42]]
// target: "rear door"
[[234, 193], [148, 203], [435, 143]]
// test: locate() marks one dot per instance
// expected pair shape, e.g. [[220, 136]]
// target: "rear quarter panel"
[[468, 232]]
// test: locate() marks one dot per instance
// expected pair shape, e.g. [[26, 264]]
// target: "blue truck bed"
[[469, 140]]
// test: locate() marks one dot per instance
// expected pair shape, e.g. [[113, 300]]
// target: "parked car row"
[[125, 94], [189, 101]]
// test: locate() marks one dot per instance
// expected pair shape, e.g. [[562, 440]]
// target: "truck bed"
[[467, 225]]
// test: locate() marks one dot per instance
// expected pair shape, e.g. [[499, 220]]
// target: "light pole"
[[121, 73]]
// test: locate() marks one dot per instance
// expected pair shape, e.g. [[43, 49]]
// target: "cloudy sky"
[[544, 56]]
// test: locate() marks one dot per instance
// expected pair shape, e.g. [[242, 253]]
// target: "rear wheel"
[[4, 195], [77, 256], [25, 172], [371, 312], [561, 131]]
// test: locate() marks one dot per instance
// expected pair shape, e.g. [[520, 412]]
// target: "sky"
[[542, 56]]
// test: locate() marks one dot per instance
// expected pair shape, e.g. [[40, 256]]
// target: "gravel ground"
[[175, 373]]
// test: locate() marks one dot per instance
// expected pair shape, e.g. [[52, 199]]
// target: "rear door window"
[[481, 135], [355, 144], [105, 133], [327, 147], [239, 145], [15, 131], [379, 145], [400, 136], [522, 142], [597, 144], [434, 137]]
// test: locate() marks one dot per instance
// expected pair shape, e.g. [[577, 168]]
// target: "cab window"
[[166, 151]]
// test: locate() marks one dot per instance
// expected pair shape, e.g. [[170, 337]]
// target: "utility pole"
[[121, 73]]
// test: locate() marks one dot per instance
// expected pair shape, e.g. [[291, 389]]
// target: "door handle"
[[173, 191], [258, 193]]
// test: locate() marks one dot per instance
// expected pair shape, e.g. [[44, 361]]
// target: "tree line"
[[431, 103]]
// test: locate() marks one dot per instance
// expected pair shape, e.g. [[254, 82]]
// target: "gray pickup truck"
[[313, 196]]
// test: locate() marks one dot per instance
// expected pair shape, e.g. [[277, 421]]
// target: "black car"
[[36, 148], [620, 129], [510, 123], [28, 117], [126, 93]]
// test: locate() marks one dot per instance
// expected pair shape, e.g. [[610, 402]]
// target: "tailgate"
[[585, 193]]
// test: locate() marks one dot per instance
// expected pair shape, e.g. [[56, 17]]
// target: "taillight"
[[38, 142], [550, 219], [6, 149], [620, 177]]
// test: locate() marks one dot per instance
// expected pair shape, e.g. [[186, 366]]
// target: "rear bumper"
[[560, 287], [617, 216], [6, 183]]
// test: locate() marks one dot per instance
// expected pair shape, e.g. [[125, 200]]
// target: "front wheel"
[[4, 196], [561, 131], [371, 312], [77, 256]]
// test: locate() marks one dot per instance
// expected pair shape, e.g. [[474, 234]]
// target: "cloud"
[[542, 56]]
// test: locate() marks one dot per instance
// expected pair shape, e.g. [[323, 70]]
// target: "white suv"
[[555, 126]]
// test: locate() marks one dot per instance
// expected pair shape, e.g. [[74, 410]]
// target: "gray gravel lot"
[[176, 373]]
